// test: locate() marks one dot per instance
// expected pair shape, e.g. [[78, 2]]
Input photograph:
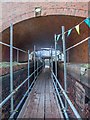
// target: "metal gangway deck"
[[42, 102]]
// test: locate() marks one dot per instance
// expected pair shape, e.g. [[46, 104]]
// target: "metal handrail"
[[10, 95], [17, 107], [62, 105], [67, 98], [86, 39], [13, 47]]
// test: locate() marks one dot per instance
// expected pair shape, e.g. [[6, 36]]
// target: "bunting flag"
[[77, 29], [69, 32], [87, 21], [58, 36]]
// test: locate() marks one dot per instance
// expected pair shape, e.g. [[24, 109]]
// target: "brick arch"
[[53, 15], [40, 31], [18, 11]]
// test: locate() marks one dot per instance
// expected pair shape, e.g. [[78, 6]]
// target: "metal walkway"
[[41, 102]]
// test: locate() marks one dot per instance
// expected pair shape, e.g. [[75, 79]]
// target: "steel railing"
[[14, 112], [13, 47], [62, 91], [14, 91]]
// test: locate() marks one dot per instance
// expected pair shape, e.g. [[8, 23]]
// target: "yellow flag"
[[77, 29]]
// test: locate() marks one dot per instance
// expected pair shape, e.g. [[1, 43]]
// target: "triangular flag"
[[58, 36], [77, 29], [69, 32], [87, 21]]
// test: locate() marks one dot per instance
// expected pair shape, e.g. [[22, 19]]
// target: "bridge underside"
[[40, 31]]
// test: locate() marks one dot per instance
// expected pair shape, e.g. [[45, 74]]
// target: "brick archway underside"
[[40, 31], [18, 11], [30, 30]]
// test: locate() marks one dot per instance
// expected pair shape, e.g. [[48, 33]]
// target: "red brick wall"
[[18, 11], [76, 85]]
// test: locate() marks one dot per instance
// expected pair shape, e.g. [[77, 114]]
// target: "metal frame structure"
[[25, 95], [17, 56], [56, 82], [34, 60], [78, 43], [55, 56], [51, 59], [11, 67], [62, 91], [65, 67], [28, 69], [54, 76], [13, 91], [13, 47], [37, 66]]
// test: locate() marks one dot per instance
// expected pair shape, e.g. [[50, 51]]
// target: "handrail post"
[[67, 98], [34, 61], [55, 56], [51, 62], [11, 66], [65, 70], [28, 69], [14, 91], [17, 56], [51, 59], [37, 66]]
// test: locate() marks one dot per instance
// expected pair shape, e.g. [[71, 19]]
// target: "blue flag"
[[58, 36], [69, 32], [87, 21]]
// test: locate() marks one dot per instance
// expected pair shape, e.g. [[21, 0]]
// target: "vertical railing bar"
[[34, 61], [62, 105], [55, 56], [11, 66], [51, 59], [28, 69], [67, 56], [14, 91], [51, 62], [37, 66], [67, 98], [17, 107], [17, 56], [65, 70]]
